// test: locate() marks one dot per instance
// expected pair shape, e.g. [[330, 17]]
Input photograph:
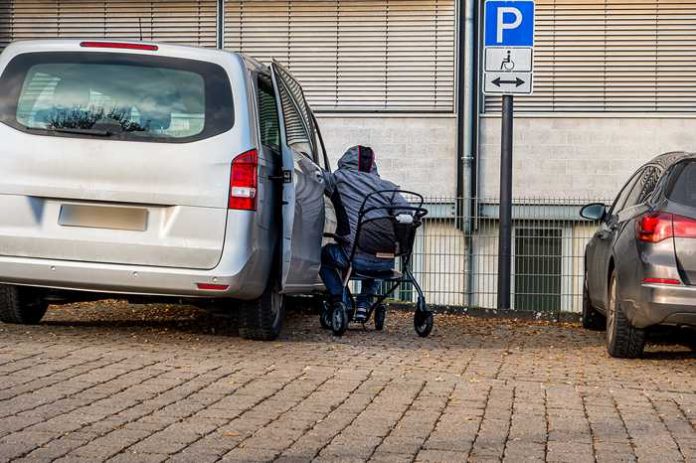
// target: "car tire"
[[262, 319], [592, 319], [623, 340], [21, 306]]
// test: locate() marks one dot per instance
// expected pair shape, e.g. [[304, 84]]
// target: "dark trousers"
[[334, 263]]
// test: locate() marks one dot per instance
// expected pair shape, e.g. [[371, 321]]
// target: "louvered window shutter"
[[179, 22], [352, 54], [5, 21], [612, 56]]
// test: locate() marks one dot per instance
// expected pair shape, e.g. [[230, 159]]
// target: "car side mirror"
[[593, 211]]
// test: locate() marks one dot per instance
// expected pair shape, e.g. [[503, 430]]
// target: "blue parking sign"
[[509, 23]]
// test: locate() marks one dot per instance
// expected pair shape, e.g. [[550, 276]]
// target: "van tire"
[[21, 306], [262, 319], [623, 340]]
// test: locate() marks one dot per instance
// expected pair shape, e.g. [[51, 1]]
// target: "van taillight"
[[244, 181], [662, 281], [654, 227]]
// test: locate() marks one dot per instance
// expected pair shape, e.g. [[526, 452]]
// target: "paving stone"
[[155, 384]]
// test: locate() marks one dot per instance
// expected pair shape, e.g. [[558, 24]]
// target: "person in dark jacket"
[[356, 177]]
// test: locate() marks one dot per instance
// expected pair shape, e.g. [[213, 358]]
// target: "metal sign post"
[[509, 64]]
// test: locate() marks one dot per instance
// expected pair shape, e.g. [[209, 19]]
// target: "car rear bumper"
[[663, 305], [243, 282]]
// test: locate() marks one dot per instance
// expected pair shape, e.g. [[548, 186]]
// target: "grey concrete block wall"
[[417, 152], [579, 157]]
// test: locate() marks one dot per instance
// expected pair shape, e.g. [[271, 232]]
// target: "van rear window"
[[116, 95]]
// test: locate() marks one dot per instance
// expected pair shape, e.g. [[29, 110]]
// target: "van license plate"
[[109, 217]]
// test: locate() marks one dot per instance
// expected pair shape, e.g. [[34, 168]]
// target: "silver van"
[[146, 171]]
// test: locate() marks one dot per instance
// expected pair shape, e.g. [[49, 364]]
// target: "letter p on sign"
[[509, 23], [502, 25]]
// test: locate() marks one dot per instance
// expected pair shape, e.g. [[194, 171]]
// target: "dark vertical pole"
[[220, 24], [505, 232], [462, 115]]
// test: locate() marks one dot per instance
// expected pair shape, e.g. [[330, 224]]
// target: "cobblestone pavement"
[[118, 383]]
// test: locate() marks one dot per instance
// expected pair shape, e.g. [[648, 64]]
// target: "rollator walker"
[[395, 227]]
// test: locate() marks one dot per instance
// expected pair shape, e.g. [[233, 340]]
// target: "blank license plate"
[[111, 217]]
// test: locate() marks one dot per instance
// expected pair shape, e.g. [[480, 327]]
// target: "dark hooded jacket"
[[348, 186]]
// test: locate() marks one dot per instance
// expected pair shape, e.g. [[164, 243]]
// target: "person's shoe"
[[361, 313]]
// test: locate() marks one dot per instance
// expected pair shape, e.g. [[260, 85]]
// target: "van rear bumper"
[[245, 282]]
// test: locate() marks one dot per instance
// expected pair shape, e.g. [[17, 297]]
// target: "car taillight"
[[120, 45], [654, 227], [244, 181]]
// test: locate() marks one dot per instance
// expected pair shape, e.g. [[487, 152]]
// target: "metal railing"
[[456, 254]]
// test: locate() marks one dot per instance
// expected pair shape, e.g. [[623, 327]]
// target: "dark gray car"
[[640, 266]]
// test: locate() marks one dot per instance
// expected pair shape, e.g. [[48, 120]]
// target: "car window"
[[115, 95], [269, 124], [647, 183], [643, 187], [299, 127], [621, 198], [683, 190]]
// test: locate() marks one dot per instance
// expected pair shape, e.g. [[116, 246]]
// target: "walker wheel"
[[339, 319], [325, 317], [423, 323], [380, 316]]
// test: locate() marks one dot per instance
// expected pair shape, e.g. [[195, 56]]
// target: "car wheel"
[[21, 306], [262, 319], [623, 340], [592, 319]]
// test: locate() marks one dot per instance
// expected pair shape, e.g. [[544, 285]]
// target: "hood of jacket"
[[351, 159]]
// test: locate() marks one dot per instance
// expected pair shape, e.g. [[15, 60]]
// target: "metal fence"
[[456, 253]]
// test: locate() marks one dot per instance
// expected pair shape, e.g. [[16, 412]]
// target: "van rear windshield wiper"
[[94, 132]]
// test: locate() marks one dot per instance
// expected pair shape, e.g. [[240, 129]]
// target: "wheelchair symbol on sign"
[[508, 64]]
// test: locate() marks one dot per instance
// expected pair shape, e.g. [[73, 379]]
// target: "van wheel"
[[623, 340], [21, 306], [592, 319], [262, 319]]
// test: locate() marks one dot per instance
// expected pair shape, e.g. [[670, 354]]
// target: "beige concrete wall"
[[581, 157], [440, 263], [417, 152]]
